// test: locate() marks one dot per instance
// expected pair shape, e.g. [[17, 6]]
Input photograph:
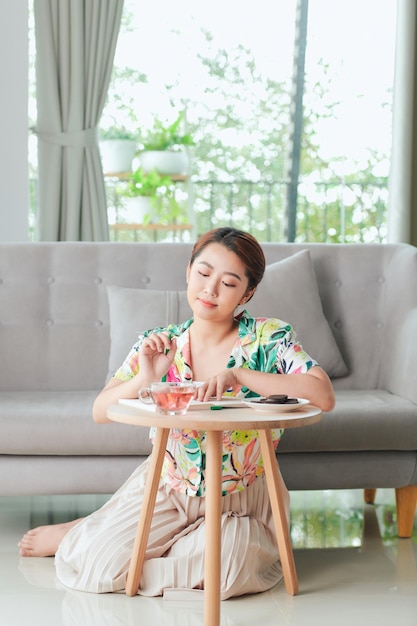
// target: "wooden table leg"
[[146, 512], [275, 484], [212, 553]]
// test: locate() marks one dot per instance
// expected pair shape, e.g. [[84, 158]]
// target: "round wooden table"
[[214, 422]]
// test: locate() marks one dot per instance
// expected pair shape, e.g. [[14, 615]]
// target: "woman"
[[231, 353]]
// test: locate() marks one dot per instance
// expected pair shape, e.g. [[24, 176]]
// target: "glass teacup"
[[170, 398]]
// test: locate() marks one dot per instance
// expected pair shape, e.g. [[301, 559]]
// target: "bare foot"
[[44, 540]]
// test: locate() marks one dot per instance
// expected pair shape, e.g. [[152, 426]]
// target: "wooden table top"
[[224, 419]]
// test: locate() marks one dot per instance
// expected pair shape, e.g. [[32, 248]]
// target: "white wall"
[[14, 185]]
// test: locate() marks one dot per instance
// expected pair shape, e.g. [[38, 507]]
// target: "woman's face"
[[217, 283]]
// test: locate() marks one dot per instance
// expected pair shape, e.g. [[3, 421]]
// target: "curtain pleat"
[[75, 46]]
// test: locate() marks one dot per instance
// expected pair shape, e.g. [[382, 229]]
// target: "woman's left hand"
[[215, 386]]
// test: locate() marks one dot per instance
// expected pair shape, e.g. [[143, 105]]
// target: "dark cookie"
[[279, 399]]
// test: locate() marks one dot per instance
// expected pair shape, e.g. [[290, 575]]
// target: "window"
[[230, 68]]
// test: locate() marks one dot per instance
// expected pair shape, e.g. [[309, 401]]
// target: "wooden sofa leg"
[[406, 499], [369, 495]]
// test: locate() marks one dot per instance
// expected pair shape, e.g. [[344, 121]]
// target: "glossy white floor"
[[351, 567]]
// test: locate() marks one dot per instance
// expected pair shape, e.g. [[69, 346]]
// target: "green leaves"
[[146, 183], [162, 137]]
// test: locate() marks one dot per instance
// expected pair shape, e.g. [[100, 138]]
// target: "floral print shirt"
[[264, 344]]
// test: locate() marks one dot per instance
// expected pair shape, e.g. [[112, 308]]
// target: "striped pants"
[[94, 556]]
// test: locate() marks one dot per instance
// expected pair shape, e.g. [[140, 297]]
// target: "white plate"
[[275, 408]]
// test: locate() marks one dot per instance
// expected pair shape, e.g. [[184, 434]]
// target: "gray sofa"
[[70, 311]]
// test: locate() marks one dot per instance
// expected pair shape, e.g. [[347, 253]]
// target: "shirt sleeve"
[[130, 366]]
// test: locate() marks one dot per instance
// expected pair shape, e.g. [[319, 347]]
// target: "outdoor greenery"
[[146, 184], [117, 132], [166, 136], [238, 136], [239, 156], [161, 191]]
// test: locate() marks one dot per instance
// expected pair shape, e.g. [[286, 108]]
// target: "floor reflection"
[[350, 563]]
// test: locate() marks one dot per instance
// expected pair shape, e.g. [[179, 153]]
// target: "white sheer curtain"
[[402, 210], [75, 45]]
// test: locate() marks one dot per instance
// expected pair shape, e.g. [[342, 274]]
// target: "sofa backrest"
[[54, 311], [368, 292]]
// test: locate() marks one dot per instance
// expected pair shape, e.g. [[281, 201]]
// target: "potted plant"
[[118, 147], [163, 148], [151, 198]]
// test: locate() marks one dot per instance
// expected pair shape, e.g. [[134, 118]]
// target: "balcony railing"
[[328, 212]]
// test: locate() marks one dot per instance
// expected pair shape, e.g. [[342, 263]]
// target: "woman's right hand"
[[156, 355], [215, 386]]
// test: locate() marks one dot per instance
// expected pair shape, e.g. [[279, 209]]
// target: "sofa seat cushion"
[[61, 423], [362, 420]]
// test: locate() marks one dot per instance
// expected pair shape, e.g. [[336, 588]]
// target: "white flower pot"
[[117, 155], [164, 161], [138, 209]]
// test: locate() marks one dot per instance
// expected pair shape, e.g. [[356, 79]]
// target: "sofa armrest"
[[400, 363]]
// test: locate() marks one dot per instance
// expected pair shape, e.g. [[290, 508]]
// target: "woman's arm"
[[315, 385], [112, 393]]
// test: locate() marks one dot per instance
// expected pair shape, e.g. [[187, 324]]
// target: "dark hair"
[[243, 244]]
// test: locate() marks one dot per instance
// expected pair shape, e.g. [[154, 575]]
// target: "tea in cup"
[[169, 398]]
